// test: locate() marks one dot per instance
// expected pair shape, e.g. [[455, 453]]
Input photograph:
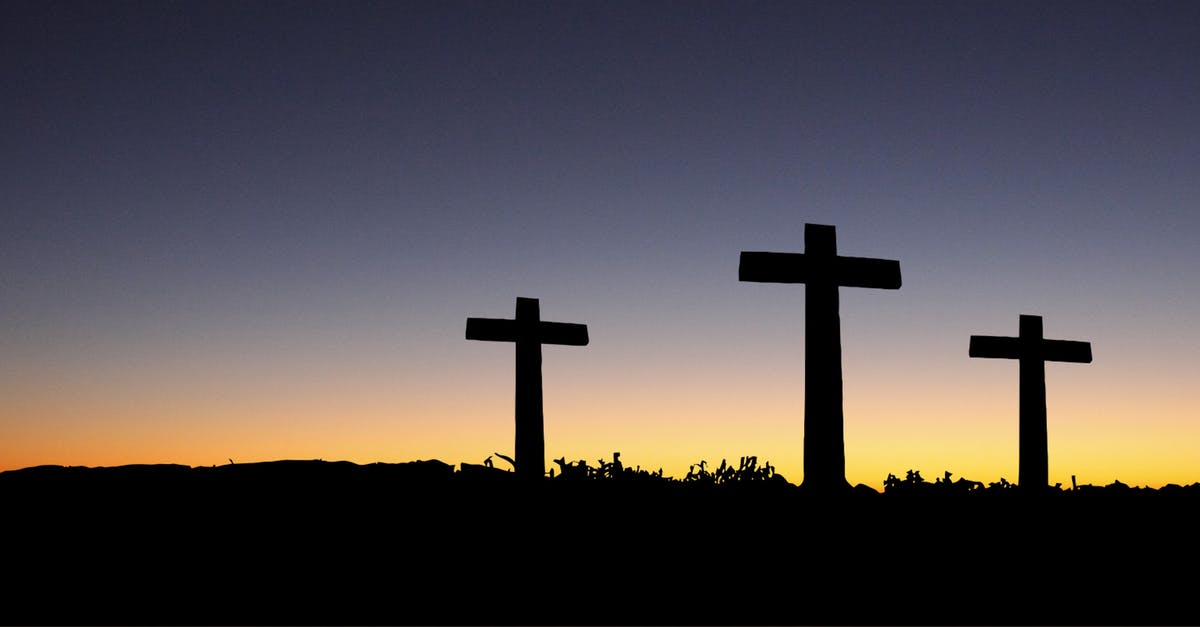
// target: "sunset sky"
[[255, 230]]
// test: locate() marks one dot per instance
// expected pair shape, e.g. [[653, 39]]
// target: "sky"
[[254, 231]]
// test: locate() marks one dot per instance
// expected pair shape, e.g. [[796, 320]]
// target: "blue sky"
[[226, 205]]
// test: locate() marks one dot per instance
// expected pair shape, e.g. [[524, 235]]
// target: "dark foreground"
[[306, 543]]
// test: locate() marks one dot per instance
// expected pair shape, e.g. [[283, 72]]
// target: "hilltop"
[[314, 542]]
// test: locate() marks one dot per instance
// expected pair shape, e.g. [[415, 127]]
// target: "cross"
[[1032, 353], [528, 332], [822, 271]]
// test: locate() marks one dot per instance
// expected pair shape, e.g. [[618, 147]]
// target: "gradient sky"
[[255, 230]]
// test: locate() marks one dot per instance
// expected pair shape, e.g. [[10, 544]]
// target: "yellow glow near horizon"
[[1096, 445], [662, 411]]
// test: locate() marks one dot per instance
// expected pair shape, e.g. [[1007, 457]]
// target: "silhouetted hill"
[[313, 542]]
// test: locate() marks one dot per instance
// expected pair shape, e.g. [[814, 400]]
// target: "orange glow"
[[663, 411]]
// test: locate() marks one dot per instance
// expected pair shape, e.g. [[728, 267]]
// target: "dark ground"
[[334, 543]]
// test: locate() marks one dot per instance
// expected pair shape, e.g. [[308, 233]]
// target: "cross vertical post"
[[1032, 351], [1032, 429], [528, 332], [822, 272]]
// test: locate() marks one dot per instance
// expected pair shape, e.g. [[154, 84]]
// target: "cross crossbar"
[[1030, 344], [499, 330], [996, 347], [764, 267]]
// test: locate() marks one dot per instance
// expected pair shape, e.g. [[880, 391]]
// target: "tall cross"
[[528, 332], [1032, 352], [822, 271]]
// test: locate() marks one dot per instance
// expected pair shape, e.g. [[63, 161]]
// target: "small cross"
[[1032, 351], [528, 332]]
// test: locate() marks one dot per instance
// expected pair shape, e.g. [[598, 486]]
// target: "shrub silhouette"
[[614, 470], [913, 482], [747, 470]]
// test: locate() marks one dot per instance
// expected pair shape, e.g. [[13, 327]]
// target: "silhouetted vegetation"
[[748, 470]]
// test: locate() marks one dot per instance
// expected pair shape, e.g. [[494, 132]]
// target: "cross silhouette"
[[822, 271], [528, 332], [1032, 352]]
